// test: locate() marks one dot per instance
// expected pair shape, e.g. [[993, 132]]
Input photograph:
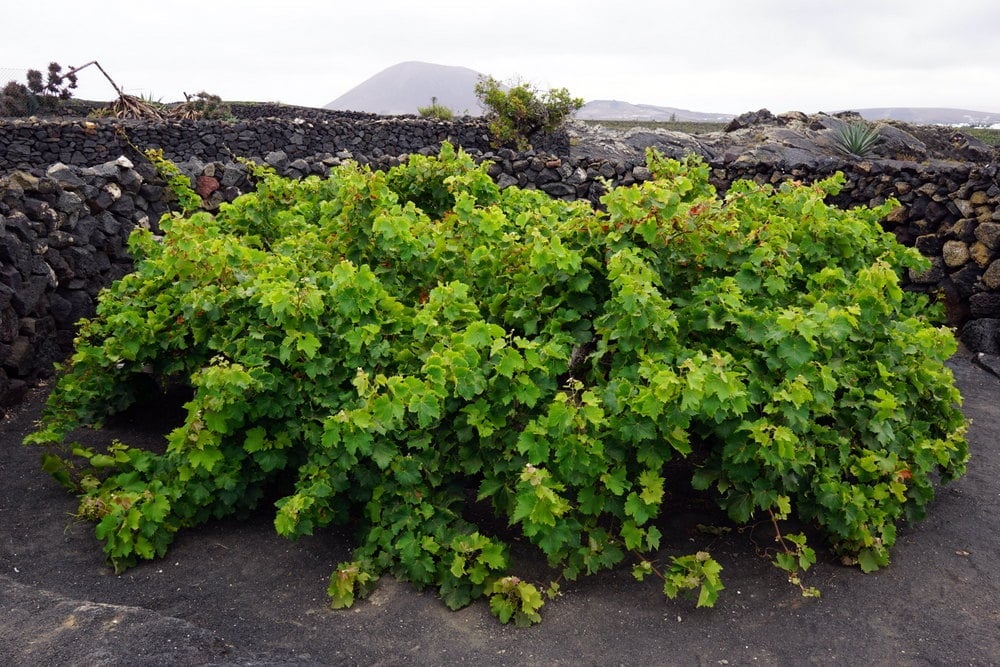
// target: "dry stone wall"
[[256, 131], [33, 146], [63, 230]]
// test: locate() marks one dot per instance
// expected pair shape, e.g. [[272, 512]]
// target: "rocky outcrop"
[[788, 140]]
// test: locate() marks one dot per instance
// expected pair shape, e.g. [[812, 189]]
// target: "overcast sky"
[[726, 56]]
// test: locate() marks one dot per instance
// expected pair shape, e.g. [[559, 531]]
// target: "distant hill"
[[402, 88], [931, 116], [617, 110]]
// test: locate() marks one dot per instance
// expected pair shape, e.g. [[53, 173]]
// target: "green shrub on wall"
[[402, 342], [515, 114]]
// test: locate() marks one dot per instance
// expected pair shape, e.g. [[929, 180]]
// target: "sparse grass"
[[436, 111], [687, 127], [984, 134]]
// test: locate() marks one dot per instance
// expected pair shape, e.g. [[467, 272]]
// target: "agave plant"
[[856, 139]]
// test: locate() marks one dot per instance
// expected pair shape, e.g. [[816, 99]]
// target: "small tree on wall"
[[518, 112], [18, 99]]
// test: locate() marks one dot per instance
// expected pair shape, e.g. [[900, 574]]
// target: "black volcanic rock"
[[787, 140]]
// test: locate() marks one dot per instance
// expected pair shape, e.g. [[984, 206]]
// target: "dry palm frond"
[[185, 111], [202, 106], [128, 106]]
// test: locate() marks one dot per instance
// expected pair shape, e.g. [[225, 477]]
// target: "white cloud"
[[714, 55]]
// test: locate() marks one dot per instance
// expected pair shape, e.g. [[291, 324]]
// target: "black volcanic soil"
[[234, 593]]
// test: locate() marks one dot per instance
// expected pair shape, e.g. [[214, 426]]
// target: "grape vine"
[[409, 343]]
